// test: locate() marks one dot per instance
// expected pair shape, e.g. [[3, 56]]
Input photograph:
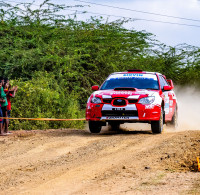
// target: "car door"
[[168, 99]]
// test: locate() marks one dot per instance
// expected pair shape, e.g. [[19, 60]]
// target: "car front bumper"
[[130, 112]]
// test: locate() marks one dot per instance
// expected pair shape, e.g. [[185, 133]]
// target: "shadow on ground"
[[86, 133]]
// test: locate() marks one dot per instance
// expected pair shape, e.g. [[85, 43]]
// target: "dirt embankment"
[[77, 162]]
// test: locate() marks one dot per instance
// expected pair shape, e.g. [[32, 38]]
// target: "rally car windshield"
[[139, 81]]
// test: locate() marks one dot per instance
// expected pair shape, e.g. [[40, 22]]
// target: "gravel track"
[[68, 161]]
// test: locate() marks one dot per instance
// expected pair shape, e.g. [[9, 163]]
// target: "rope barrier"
[[44, 119]]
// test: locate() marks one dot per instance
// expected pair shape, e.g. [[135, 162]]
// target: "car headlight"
[[147, 100], [96, 100]]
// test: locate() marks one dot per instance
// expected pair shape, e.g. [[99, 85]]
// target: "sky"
[[169, 34]]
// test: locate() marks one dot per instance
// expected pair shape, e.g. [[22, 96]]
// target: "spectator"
[[4, 104], [10, 93], [2, 100]]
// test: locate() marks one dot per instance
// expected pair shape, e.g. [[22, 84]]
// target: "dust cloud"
[[188, 108]]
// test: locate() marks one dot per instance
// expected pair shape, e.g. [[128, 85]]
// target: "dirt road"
[[77, 162]]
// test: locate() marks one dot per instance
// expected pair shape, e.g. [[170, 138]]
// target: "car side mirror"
[[95, 87], [167, 88], [170, 83]]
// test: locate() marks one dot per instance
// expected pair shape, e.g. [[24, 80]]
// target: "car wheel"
[[174, 122], [157, 126], [95, 126]]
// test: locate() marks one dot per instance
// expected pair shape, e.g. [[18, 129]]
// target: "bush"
[[42, 97]]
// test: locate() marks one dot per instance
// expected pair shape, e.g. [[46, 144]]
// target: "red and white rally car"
[[132, 96]]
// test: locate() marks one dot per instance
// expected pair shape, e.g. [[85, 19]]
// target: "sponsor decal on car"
[[166, 102], [171, 103], [119, 118], [132, 75], [151, 106], [122, 92]]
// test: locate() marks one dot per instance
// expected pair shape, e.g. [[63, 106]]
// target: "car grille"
[[108, 101], [119, 102], [119, 113]]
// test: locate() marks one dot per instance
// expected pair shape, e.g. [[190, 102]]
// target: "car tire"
[[157, 126], [95, 126], [174, 122]]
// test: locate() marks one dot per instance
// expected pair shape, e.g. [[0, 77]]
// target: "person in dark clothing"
[[10, 93]]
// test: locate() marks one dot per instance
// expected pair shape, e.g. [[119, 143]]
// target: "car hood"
[[133, 94]]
